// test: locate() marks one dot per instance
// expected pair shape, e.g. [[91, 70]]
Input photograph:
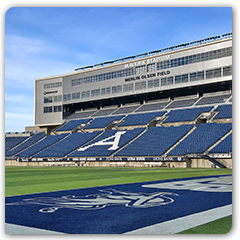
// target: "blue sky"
[[43, 42]]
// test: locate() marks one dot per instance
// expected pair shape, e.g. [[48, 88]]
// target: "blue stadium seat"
[[39, 146], [155, 141], [225, 111], [102, 122], [140, 118], [204, 136], [11, 142], [96, 148], [189, 114], [32, 140], [69, 126], [67, 145], [225, 146]]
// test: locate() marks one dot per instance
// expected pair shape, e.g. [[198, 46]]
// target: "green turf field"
[[25, 180]]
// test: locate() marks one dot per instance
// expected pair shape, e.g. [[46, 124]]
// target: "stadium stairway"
[[213, 160]]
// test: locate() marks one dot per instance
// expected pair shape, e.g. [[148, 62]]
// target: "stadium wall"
[[195, 163]]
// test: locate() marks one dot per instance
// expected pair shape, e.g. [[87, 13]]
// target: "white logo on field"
[[113, 144], [212, 184], [97, 201]]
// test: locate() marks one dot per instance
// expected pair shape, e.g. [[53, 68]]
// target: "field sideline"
[[28, 180]]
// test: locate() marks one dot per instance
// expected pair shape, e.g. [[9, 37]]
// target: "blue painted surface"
[[127, 207]]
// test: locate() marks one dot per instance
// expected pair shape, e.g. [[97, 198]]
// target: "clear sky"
[[43, 42]]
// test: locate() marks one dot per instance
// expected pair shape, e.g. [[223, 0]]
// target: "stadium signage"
[[144, 76], [148, 61]]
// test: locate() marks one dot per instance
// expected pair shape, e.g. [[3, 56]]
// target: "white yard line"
[[16, 229], [184, 223]]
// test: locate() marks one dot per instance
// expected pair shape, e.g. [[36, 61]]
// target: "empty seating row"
[[39, 146], [225, 111], [11, 142], [69, 126], [31, 140], [140, 118], [102, 122], [182, 103], [180, 115], [107, 143], [204, 136], [186, 114], [67, 145], [225, 146], [152, 106], [214, 99], [155, 141]]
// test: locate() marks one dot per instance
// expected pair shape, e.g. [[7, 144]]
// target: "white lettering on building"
[[148, 61]]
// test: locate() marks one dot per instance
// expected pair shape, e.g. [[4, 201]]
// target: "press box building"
[[196, 68]]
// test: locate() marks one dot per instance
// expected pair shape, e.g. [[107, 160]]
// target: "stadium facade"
[[122, 112], [196, 69]]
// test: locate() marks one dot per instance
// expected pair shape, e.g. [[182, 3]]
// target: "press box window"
[[128, 87], [85, 94], [140, 85], [47, 109], [213, 73], [151, 67], [76, 95], [181, 78], [117, 89], [105, 91], [166, 81], [140, 70], [58, 98], [227, 71], [196, 76], [57, 108], [153, 83], [47, 99], [95, 92]]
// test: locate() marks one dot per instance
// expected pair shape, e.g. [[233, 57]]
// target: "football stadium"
[[129, 138]]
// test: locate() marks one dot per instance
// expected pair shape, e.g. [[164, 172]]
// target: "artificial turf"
[[26, 180], [220, 226]]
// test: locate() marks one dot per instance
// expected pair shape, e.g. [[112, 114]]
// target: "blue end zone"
[[118, 208]]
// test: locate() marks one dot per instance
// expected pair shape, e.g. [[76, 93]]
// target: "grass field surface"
[[27, 180]]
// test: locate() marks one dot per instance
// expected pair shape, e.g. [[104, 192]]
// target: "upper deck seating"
[[203, 137], [225, 146], [225, 111], [31, 140], [11, 142], [152, 106], [185, 114], [39, 146], [103, 122], [155, 141], [82, 114], [182, 103], [69, 126], [126, 109], [140, 118], [67, 145], [107, 143], [104, 112], [214, 99]]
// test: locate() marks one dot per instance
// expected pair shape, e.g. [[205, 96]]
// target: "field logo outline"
[[105, 198]]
